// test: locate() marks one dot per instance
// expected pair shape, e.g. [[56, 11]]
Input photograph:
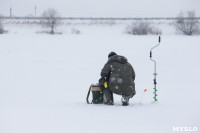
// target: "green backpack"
[[97, 94]]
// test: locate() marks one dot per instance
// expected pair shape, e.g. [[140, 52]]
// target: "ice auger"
[[154, 80]]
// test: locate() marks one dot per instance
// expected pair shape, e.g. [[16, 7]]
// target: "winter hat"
[[111, 54]]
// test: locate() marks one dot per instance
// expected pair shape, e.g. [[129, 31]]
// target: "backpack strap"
[[88, 95]]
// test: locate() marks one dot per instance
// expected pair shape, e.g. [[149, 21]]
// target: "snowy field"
[[44, 81]]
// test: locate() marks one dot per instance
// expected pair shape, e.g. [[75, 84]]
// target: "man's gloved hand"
[[101, 83], [102, 80]]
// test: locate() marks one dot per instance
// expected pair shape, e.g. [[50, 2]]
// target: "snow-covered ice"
[[44, 81]]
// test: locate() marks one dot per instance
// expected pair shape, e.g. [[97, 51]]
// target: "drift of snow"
[[44, 80]]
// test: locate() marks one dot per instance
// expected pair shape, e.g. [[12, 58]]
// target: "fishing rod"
[[154, 80]]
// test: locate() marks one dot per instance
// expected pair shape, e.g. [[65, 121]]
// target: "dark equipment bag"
[[97, 94]]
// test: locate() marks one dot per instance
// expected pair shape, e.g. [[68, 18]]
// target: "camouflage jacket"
[[120, 75]]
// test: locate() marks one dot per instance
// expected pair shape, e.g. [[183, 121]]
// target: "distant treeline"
[[98, 18]]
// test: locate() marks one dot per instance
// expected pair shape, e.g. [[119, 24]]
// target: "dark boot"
[[125, 100], [108, 97]]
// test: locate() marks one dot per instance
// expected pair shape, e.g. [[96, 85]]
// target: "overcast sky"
[[102, 8]]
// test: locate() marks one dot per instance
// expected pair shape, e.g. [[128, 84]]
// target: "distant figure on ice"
[[117, 76]]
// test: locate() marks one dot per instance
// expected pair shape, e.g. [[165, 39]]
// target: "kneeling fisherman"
[[117, 76]]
